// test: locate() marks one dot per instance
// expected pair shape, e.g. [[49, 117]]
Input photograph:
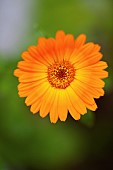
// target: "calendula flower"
[[60, 75]]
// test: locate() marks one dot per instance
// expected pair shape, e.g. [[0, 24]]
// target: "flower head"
[[60, 75]]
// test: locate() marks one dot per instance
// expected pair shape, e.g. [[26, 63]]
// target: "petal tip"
[[60, 34], [15, 73]]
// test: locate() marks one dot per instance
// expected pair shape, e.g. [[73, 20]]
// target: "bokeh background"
[[28, 142]]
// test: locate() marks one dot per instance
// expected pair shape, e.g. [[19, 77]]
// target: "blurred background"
[[28, 142]]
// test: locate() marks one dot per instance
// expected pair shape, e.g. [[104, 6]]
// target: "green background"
[[29, 142]]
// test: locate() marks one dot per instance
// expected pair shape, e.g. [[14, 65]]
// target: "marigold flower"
[[60, 75]]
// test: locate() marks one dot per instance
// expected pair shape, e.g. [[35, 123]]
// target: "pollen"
[[60, 75]]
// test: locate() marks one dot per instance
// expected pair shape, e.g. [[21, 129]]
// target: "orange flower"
[[60, 75]]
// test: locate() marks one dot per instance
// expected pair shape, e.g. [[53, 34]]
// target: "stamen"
[[60, 75]]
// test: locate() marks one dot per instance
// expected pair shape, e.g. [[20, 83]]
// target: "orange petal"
[[96, 48], [29, 77], [51, 43], [27, 57], [90, 80], [92, 59], [33, 51], [32, 67], [71, 108], [92, 72], [59, 45], [86, 97], [80, 40], [62, 105], [69, 41], [60, 49], [37, 93], [100, 91], [24, 93], [87, 49], [91, 107], [76, 101], [42, 40], [81, 92], [82, 54], [47, 101], [17, 73], [30, 85], [35, 107], [54, 109], [93, 91], [98, 66], [69, 46], [60, 35], [44, 53], [46, 48]]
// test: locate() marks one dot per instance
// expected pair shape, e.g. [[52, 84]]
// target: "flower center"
[[60, 75]]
